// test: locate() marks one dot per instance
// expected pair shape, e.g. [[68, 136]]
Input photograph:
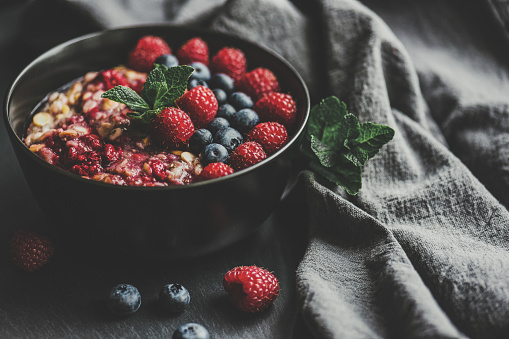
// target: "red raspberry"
[[172, 128], [271, 135], [194, 50], [30, 251], [110, 154], [112, 78], [246, 155], [201, 105], [230, 61], [145, 53], [258, 83], [215, 170], [279, 107], [251, 288]]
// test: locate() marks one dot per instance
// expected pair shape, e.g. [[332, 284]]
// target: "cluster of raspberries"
[[230, 116]]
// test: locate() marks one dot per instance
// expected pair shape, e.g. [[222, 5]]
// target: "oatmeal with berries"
[[164, 119]]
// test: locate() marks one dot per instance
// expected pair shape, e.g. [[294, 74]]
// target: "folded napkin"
[[423, 250]]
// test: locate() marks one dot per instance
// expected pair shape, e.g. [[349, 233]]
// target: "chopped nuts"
[[42, 118], [105, 129], [115, 133], [81, 129], [68, 133], [108, 104], [36, 147], [187, 157], [87, 96]]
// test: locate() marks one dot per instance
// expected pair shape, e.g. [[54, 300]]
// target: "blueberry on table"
[[226, 111], [124, 299], [229, 137], [222, 81], [200, 138], [217, 124], [240, 100], [195, 83], [191, 331], [214, 153], [201, 71], [174, 297], [221, 96], [169, 60], [244, 120]]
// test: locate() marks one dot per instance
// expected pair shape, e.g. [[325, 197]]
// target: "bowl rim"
[[195, 30]]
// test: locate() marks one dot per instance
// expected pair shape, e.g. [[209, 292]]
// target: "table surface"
[[66, 298]]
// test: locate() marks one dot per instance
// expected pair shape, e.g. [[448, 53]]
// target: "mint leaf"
[[176, 80], [371, 138], [327, 155], [326, 120], [155, 88], [165, 85], [128, 97], [346, 175], [340, 146]]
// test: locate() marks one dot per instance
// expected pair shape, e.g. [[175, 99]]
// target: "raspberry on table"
[[258, 83], [251, 288], [246, 155], [143, 56], [215, 170], [230, 61], [271, 135], [201, 105], [194, 50], [30, 251], [172, 128], [279, 107]]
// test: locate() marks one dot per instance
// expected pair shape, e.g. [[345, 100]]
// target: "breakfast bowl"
[[162, 222]]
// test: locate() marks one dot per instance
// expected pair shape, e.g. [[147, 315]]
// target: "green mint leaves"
[[339, 146], [163, 86]]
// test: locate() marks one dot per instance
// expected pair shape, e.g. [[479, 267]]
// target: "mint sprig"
[[163, 86], [339, 145]]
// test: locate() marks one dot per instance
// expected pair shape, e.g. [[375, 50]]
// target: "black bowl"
[[163, 222]]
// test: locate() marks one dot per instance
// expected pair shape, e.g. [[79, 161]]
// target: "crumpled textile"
[[423, 250]]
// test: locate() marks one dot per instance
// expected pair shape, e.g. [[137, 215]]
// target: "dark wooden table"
[[66, 298]]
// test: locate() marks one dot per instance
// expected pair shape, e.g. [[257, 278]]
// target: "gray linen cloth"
[[423, 250]]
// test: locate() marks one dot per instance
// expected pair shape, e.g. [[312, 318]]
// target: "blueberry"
[[174, 297], [169, 60], [244, 120], [124, 299], [216, 124], [226, 111], [222, 81], [214, 153], [200, 138], [240, 100], [195, 82], [201, 72], [221, 96], [191, 331], [229, 137]]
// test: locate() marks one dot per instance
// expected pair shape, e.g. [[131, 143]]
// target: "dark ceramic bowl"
[[161, 222]]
